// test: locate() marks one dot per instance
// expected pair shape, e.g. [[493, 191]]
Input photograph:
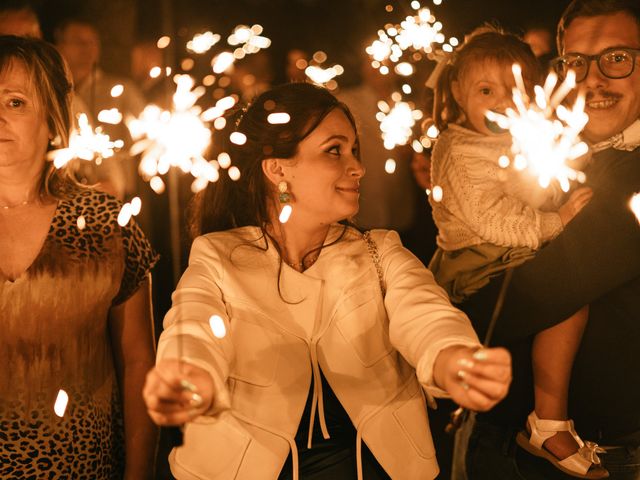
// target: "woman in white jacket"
[[301, 341]]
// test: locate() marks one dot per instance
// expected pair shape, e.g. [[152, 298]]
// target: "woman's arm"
[[437, 338], [193, 363], [475, 379], [132, 339]]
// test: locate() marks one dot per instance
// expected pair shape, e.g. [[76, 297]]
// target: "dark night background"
[[339, 27]]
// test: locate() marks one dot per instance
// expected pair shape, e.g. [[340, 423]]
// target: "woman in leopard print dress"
[[74, 299]]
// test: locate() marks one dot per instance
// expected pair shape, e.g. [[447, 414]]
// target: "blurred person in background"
[[18, 18], [78, 41], [540, 39]]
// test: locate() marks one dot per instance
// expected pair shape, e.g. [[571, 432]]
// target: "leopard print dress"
[[55, 336]]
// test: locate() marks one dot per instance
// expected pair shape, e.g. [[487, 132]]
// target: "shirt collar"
[[628, 139]]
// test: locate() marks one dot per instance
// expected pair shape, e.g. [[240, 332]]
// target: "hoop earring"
[[285, 198]]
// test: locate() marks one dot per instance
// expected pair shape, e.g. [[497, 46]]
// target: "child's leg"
[[554, 350]]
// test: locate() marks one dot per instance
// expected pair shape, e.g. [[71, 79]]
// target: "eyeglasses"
[[613, 63]]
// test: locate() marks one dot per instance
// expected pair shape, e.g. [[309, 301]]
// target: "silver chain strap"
[[375, 256]]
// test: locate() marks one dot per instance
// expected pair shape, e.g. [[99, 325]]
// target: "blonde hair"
[[487, 43], [51, 81]]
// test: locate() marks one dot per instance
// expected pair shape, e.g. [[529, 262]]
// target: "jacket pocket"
[[412, 418], [363, 323], [206, 436], [256, 351]]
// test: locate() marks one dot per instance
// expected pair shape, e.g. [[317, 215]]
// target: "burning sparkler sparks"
[[175, 138], [545, 133], [285, 213], [635, 205], [128, 210], [222, 62], [390, 166], [202, 42], [111, 116], [60, 406], [396, 122], [117, 90], [249, 38], [85, 144], [179, 138], [417, 33], [217, 326], [323, 76], [436, 193]]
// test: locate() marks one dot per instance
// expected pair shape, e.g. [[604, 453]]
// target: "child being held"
[[490, 219]]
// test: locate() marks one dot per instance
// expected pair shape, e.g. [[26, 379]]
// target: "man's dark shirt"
[[595, 261]]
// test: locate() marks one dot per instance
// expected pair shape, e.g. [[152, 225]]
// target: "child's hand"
[[577, 200], [475, 379]]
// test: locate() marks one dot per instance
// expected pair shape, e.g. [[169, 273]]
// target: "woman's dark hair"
[[593, 8], [229, 204], [50, 80], [485, 44]]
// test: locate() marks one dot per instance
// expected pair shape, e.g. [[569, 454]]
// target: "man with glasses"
[[595, 261]]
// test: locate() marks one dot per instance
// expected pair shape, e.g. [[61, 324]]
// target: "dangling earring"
[[285, 197]]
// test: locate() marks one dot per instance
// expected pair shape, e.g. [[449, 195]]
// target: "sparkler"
[[202, 42], [397, 121], [177, 138], [323, 76], [111, 116], [85, 144], [545, 133], [222, 62], [249, 38], [420, 32]]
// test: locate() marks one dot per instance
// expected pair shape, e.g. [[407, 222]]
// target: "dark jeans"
[[494, 455]]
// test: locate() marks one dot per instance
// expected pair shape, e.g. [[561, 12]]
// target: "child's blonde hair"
[[487, 43]]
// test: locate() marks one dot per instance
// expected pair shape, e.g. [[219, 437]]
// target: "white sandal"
[[579, 464]]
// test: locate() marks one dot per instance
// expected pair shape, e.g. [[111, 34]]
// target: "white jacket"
[[369, 351]]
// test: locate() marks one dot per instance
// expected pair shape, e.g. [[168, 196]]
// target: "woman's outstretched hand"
[[176, 392], [475, 379]]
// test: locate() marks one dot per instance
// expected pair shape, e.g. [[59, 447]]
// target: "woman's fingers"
[[176, 393], [477, 401], [492, 389], [173, 419], [484, 377], [496, 355]]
